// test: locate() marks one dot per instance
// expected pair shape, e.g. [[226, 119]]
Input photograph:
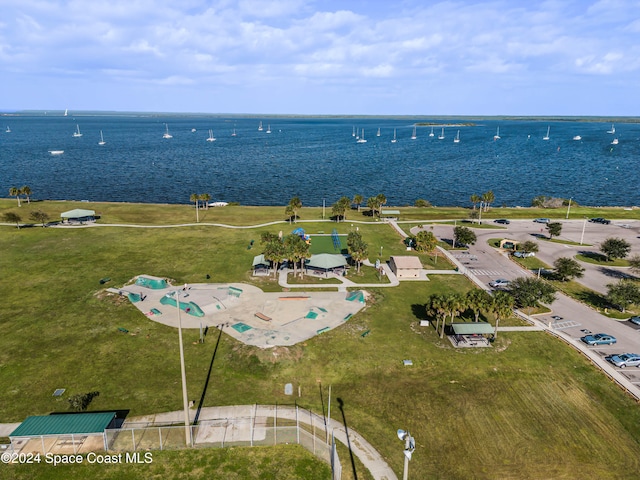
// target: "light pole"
[[380, 251], [187, 426], [583, 227], [569, 208], [409, 447]]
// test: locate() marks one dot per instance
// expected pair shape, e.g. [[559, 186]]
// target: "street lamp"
[[187, 426], [380, 250], [569, 208], [583, 227], [409, 447]]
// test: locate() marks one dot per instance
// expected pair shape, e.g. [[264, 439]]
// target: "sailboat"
[[77, 132], [234, 133], [361, 139], [614, 141], [577, 137], [457, 139], [546, 137], [8, 130], [101, 142], [166, 133], [66, 112], [394, 140], [613, 129], [211, 138], [353, 134], [431, 134], [414, 136], [378, 134], [269, 128], [497, 135], [441, 136], [260, 126]]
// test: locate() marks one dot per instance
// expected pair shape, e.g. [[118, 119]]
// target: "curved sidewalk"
[[368, 455]]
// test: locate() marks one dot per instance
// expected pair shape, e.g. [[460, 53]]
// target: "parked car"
[[524, 254], [599, 339], [503, 221], [635, 320], [624, 360], [499, 283], [542, 220], [601, 220]]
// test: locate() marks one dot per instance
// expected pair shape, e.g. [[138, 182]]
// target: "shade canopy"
[[78, 213], [70, 423], [260, 260], [472, 328], [326, 261]]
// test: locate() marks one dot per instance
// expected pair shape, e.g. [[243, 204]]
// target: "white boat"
[[8, 130], [77, 132], [268, 128], [101, 142], [353, 133], [66, 112], [414, 136], [546, 137], [260, 127], [166, 133], [613, 129], [378, 134], [361, 139], [211, 138], [56, 152], [394, 140], [497, 135], [577, 137], [234, 133], [614, 141], [431, 134], [457, 139], [441, 136], [193, 130]]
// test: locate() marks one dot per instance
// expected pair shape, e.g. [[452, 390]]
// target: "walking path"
[[368, 455]]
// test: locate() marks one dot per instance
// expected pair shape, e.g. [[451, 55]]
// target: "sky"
[[332, 57]]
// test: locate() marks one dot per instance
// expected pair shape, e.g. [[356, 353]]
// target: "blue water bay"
[[317, 159]]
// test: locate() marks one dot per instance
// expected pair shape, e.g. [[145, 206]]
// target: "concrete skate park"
[[246, 312]]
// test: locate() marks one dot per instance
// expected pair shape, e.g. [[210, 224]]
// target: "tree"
[[374, 205], [12, 217], [567, 269], [422, 203], [478, 300], [436, 308], [289, 212], [528, 246], [357, 199], [425, 241], [528, 291], [634, 263], [382, 200], [205, 197], [296, 250], [357, 248], [15, 192], [464, 236], [80, 402], [26, 191], [554, 229], [266, 237], [454, 305], [475, 200], [488, 198], [623, 294], [39, 216], [195, 198], [296, 204], [340, 208], [274, 251], [502, 307], [614, 248]]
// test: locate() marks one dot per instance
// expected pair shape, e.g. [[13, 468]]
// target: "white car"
[[524, 254], [499, 283]]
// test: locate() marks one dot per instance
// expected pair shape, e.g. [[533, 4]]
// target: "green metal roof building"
[[64, 424]]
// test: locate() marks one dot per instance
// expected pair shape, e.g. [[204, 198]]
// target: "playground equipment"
[[300, 232]]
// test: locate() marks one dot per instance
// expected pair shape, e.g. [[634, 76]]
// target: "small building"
[[68, 433], [261, 265], [509, 244], [390, 214], [78, 215], [405, 266], [325, 263]]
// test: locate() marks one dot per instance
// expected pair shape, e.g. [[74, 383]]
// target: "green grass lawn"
[[530, 407], [599, 259]]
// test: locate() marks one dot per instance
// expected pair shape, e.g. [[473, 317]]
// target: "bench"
[[123, 330], [104, 280], [262, 316], [365, 333]]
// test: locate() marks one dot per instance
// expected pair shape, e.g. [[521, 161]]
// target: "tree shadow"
[[610, 272], [595, 256], [206, 382], [346, 430], [419, 311], [593, 298]]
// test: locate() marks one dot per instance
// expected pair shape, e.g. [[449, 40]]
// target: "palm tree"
[[475, 199], [15, 192], [357, 248], [436, 308], [488, 198], [296, 204], [357, 199], [205, 197], [478, 300], [26, 191], [454, 305], [274, 251], [195, 198], [502, 307], [289, 213]]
